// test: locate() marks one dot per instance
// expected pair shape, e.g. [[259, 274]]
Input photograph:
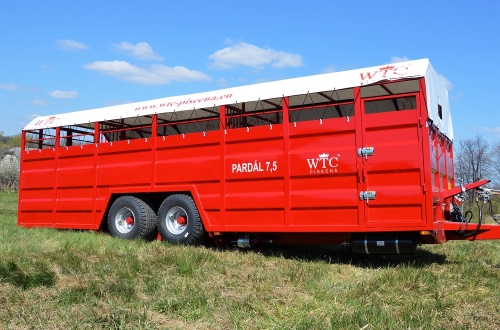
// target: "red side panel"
[[38, 172], [254, 178], [75, 198], [121, 164], [323, 175], [124, 163], [192, 159]]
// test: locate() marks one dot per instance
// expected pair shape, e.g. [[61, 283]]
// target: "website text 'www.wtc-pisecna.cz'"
[[184, 102]]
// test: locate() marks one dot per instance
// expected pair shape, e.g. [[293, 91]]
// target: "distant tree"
[[9, 142], [473, 161], [14, 141], [495, 159], [2, 143]]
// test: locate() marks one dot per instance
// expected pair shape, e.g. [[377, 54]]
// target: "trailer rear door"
[[391, 153]]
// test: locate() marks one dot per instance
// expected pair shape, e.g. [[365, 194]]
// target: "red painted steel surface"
[[291, 177]]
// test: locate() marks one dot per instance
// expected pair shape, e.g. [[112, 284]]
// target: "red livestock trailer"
[[362, 158]]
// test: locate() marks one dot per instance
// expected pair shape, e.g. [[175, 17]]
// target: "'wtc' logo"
[[324, 164], [385, 72], [47, 121]]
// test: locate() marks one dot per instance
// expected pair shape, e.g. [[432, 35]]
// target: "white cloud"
[[255, 57], [9, 87], [260, 81], [284, 60], [456, 97], [13, 87], [39, 102], [494, 130], [328, 69], [64, 95], [156, 74], [397, 59], [449, 86], [141, 51], [70, 45], [46, 68], [222, 82]]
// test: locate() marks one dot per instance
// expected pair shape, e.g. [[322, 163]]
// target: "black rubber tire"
[[192, 233], [144, 225]]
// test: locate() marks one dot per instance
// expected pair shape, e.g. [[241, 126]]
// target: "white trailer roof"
[[436, 94]]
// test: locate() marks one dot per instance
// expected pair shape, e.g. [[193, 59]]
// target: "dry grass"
[[54, 279]]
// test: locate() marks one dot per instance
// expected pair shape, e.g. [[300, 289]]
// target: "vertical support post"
[[448, 166], [97, 140], [441, 174], [451, 166], [361, 185], [442, 168], [243, 119], [57, 144], [40, 138], [154, 134], [123, 136], [69, 138], [286, 159], [21, 169], [222, 132], [96, 133], [23, 142], [425, 138], [437, 146]]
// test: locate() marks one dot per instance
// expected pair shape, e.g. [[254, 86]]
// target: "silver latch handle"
[[366, 151]]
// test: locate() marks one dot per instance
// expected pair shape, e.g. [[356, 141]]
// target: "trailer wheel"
[[179, 221], [131, 217]]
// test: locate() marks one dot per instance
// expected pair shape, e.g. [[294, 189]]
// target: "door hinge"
[[367, 195], [366, 151]]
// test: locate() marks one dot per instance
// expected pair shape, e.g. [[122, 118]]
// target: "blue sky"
[[61, 56]]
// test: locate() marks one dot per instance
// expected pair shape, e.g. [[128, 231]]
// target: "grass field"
[[56, 279]]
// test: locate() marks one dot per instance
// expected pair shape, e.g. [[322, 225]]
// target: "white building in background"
[[9, 168]]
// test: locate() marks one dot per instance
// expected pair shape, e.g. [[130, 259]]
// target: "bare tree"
[[473, 161], [495, 159]]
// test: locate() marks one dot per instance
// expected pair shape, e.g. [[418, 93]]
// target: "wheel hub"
[[176, 220], [181, 221], [124, 220], [129, 221]]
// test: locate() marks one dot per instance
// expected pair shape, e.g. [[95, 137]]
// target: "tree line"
[[9, 142], [477, 159]]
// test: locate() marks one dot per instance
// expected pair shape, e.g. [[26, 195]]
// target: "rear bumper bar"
[[486, 232]]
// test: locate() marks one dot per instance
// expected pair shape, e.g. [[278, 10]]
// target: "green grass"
[[57, 279]]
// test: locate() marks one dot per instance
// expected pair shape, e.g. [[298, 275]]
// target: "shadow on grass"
[[13, 274], [342, 255]]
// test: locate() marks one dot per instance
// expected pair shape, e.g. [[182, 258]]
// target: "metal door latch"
[[367, 195], [366, 151]]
